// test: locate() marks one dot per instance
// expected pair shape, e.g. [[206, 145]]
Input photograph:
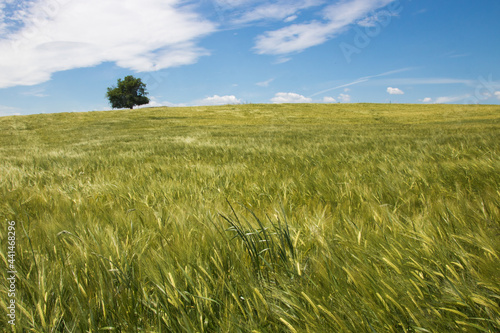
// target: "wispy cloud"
[[9, 111], [429, 81], [145, 35], [277, 10], [38, 92], [455, 54], [375, 19], [363, 79], [265, 83], [298, 37], [450, 99], [282, 60], [421, 11]]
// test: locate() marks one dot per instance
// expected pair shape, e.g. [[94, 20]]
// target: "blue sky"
[[61, 55]]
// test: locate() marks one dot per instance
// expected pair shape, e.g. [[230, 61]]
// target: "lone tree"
[[129, 92]]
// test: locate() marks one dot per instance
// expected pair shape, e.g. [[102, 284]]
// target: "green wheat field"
[[254, 218]]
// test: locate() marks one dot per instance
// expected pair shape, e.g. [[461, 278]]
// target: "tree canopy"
[[128, 93]]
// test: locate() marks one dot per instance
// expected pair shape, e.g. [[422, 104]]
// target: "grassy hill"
[[254, 218]]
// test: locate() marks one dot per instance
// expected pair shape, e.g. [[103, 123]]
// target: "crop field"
[[253, 218]]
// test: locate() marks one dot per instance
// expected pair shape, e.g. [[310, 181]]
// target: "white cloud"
[[219, 100], [395, 91], [152, 103], [298, 37], [497, 94], [212, 100], [446, 99], [349, 11], [293, 38], [140, 35], [450, 99], [265, 83], [282, 97], [344, 98]]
